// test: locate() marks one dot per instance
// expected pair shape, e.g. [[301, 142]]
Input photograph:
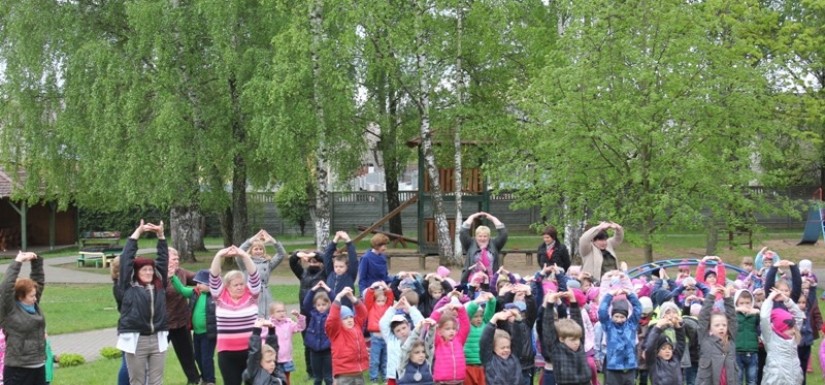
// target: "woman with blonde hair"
[[482, 252], [236, 310]]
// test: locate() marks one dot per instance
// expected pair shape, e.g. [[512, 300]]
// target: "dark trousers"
[[181, 339], [307, 360], [804, 353], [548, 378], [232, 365], [321, 366], [204, 356], [762, 355], [620, 377], [14, 375]]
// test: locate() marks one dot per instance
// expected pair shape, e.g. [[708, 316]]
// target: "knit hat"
[[709, 272], [684, 265], [647, 305], [520, 305], [140, 262], [620, 307], [573, 284], [662, 341], [781, 322], [695, 309], [443, 271], [407, 283], [689, 281], [581, 299], [479, 278], [805, 264], [574, 270], [668, 306], [346, 312], [202, 276]]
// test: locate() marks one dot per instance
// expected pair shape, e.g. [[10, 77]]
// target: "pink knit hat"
[[781, 322], [443, 271]]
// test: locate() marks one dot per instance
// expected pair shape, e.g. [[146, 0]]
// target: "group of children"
[[562, 327]]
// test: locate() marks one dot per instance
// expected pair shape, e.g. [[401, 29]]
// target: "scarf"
[[485, 258], [28, 308], [550, 249]]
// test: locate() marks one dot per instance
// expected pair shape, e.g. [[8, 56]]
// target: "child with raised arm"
[[415, 365], [501, 367], [265, 263], [344, 327], [664, 356], [378, 298], [780, 333], [747, 338], [285, 328], [261, 367], [563, 341], [620, 326], [453, 327], [395, 327], [717, 341], [316, 340], [479, 317], [341, 270]]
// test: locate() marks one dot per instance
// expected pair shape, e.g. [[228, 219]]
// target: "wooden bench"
[[527, 253], [395, 239], [98, 238], [100, 256]]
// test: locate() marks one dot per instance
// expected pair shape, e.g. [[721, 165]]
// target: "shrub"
[[110, 352], [71, 359]]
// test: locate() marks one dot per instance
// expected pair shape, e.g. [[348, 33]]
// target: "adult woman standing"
[[23, 323], [551, 251], [236, 309], [142, 329], [482, 253], [598, 251], [256, 247]]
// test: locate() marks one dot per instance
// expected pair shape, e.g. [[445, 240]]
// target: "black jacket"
[[560, 256], [143, 309], [307, 279], [254, 374], [497, 371]]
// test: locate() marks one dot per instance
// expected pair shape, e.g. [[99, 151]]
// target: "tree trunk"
[[388, 107], [240, 229], [711, 236], [186, 223], [445, 247], [457, 172], [225, 218], [320, 213]]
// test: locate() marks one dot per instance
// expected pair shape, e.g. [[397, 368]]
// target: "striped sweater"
[[235, 319]]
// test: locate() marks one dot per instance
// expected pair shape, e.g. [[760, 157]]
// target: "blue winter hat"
[[346, 312], [202, 276], [521, 306]]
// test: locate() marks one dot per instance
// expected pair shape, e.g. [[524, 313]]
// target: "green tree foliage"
[[293, 203], [644, 118]]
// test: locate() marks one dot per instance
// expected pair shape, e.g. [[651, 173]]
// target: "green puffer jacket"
[[471, 354]]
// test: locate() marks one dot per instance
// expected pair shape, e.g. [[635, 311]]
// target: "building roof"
[[9, 181]]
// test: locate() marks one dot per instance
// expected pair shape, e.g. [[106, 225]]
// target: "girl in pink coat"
[[452, 330]]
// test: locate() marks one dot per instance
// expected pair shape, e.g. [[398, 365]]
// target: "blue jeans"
[[548, 378], [748, 367], [527, 376], [204, 353], [123, 373], [378, 357], [690, 375]]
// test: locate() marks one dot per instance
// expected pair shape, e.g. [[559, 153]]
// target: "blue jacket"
[[373, 268], [621, 338], [315, 338], [339, 282]]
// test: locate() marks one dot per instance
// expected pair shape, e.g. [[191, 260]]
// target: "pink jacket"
[[450, 364], [285, 329]]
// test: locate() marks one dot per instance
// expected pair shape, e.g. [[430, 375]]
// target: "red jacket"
[[349, 349], [374, 311]]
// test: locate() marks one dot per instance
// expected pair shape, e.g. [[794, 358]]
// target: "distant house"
[[23, 226]]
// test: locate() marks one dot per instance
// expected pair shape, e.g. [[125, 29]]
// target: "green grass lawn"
[[71, 308]]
